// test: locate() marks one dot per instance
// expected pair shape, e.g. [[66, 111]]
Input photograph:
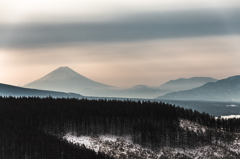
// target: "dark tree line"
[[18, 141], [34, 126]]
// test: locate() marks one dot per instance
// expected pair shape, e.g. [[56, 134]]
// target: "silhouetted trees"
[[34, 127]]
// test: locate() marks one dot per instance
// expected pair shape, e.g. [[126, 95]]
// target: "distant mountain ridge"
[[185, 83], [147, 92], [65, 79], [223, 90], [9, 90], [138, 91]]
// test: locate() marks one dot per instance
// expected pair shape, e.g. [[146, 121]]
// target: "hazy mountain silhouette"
[[9, 90], [144, 91], [223, 90], [140, 86], [139, 91], [185, 83], [65, 79]]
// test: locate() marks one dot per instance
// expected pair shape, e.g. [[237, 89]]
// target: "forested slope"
[[30, 125]]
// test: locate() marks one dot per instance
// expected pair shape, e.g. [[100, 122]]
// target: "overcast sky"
[[120, 43]]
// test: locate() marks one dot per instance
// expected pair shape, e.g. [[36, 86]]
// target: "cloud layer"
[[138, 27]]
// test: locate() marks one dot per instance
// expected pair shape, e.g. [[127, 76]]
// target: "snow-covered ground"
[[123, 146], [116, 146], [231, 105], [230, 116], [192, 126]]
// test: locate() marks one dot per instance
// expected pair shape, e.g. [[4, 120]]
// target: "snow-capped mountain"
[[66, 80]]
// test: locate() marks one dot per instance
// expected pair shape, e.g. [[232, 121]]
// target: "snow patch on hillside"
[[116, 146], [232, 105], [123, 147], [192, 126], [230, 116]]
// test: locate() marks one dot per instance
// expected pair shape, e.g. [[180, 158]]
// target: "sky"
[[118, 42]]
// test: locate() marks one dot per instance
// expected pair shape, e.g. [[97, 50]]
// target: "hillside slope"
[[185, 83], [223, 90], [124, 147], [9, 90]]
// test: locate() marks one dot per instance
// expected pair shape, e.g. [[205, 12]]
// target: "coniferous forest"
[[33, 127]]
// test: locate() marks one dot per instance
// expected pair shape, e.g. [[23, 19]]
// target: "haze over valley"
[[64, 79]]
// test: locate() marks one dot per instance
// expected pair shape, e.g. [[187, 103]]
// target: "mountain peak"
[[61, 73], [65, 79], [63, 67]]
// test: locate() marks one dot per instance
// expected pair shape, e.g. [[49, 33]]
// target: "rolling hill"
[[9, 90]]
